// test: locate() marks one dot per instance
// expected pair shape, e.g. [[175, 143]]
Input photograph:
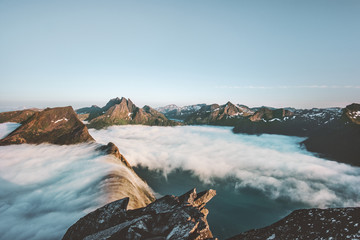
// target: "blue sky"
[[276, 53]]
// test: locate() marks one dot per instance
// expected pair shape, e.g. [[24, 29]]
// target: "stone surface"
[[52, 125], [332, 223], [169, 217]]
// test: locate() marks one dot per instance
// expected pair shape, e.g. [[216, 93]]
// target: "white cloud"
[[44, 189], [6, 128], [273, 164]]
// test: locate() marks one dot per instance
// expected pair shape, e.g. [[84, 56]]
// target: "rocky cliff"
[[123, 111], [169, 217], [52, 125], [332, 223]]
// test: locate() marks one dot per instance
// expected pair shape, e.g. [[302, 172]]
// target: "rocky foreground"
[[332, 223], [169, 217]]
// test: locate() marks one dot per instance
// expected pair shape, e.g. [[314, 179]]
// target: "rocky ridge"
[[332, 223], [169, 217], [123, 111]]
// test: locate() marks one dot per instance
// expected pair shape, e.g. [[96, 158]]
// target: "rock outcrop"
[[123, 111], [123, 181], [52, 125], [169, 217], [112, 149], [332, 223]]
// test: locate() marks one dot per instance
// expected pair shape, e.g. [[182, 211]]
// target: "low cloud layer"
[[273, 164], [44, 189]]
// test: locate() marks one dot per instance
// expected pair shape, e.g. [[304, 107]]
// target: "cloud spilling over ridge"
[[273, 164], [44, 189]]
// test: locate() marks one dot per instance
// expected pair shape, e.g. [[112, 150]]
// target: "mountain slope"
[[17, 116], [226, 115], [52, 125], [123, 111], [339, 140]]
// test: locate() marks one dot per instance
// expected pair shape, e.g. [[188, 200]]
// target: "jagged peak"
[[197, 199], [112, 149]]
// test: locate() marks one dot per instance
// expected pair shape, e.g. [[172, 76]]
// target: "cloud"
[[273, 164], [7, 128], [292, 87], [44, 189]]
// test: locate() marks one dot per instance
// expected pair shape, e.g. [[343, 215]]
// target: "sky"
[[276, 53]]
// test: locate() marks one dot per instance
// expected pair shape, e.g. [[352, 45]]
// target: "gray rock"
[[169, 217]]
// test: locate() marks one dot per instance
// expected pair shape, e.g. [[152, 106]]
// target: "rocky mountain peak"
[[53, 125], [352, 113], [169, 217], [112, 149]]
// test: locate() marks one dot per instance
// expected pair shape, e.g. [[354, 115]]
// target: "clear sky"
[[303, 53]]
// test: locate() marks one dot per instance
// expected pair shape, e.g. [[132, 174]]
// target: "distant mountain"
[[17, 116], [123, 111], [298, 122], [52, 125], [339, 139], [331, 223], [179, 113], [214, 114]]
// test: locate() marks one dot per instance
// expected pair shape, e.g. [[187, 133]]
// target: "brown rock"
[[17, 116], [52, 125]]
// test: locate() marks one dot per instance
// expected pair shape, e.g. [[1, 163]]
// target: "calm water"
[[231, 211]]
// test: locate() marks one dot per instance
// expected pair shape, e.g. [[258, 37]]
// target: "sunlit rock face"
[[170, 217], [121, 112], [332, 223], [52, 125]]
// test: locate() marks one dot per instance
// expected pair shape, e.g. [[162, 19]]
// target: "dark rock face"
[[332, 223], [123, 111], [339, 140], [17, 116], [169, 217], [52, 125]]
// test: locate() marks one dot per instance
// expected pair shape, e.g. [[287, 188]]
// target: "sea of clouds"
[[273, 164], [44, 189]]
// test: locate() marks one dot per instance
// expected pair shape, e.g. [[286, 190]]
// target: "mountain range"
[[332, 133], [120, 112]]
